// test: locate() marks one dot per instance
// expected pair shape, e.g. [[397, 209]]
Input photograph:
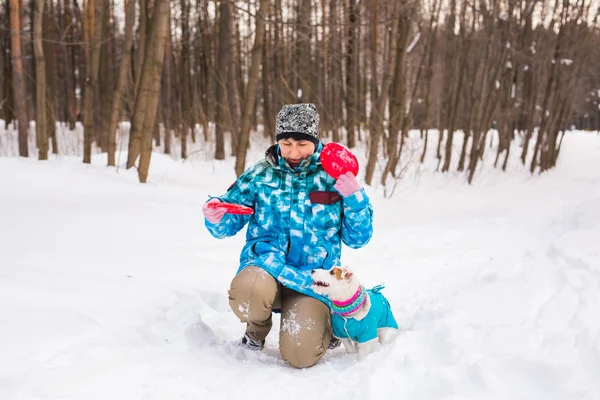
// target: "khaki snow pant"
[[305, 330]]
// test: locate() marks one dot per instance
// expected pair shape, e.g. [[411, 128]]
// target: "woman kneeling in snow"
[[301, 217]]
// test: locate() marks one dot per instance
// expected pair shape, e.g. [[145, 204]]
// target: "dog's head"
[[338, 283]]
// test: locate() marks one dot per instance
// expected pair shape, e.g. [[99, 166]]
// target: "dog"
[[358, 316]]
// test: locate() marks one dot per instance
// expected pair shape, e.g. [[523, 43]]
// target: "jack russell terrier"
[[358, 315]]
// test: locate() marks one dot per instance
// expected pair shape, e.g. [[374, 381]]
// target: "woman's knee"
[[252, 293], [303, 354], [305, 330]]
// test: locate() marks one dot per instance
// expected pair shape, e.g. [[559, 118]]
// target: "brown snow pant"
[[305, 330]]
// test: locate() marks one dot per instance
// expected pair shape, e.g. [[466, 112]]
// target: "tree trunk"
[[244, 136], [208, 69], [449, 77], [323, 73], [429, 73], [352, 74], [337, 80], [200, 89], [238, 61], [268, 116], [222, 70], [105, 78], [167, 96], [40, 81], [399, 93], [68, 67], [118, 93], [547, 95], [95, 22], [19, 91], [493, 61], [303, 52], [278, 58], [53, 99], [150, 81], [6, 110], [188, 118], [461, 60], [529, 89], [377, 111], [234, 93], [141, 45]]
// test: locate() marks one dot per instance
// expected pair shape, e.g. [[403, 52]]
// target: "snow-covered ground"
[[110, 289]]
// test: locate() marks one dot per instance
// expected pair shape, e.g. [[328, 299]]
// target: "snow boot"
[[250, 344]]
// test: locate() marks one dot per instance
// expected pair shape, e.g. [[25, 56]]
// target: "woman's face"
[[294, 151]]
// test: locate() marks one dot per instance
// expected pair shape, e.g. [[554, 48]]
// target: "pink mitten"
[[213, 215], [347, 184]]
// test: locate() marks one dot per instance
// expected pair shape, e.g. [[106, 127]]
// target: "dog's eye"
[[331, 272]]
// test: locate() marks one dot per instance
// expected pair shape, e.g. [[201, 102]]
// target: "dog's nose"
[[312, 271]]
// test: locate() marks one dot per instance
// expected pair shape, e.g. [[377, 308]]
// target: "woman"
[[301, 217]]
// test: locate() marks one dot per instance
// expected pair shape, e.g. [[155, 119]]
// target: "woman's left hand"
[[347, 184]]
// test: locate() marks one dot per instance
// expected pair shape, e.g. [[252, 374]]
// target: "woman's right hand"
[[213, 215]]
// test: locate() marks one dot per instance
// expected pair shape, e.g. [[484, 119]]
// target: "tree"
[[221, 77], [125, 64], [150, 83], [5, 65], [399, 92], [268, 116], [40, 81], [259, 37], [397, 50], [303, 52], [141, 44], [468, 64], [19, 91], [68, 65], [167, 96], [53, 99], [352, 74], [187, 109], [95, 24]]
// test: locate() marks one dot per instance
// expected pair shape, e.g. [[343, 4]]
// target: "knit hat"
[[298, 121]]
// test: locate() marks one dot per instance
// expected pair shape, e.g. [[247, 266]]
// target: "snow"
[[110, 289]]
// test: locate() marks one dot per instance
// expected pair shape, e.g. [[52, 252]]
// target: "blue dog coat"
[[379, 316]]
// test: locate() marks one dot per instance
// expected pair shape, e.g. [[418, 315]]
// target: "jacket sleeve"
[[357, 222], [243, 192]]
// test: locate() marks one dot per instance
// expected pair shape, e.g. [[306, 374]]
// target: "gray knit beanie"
[[298, 121]]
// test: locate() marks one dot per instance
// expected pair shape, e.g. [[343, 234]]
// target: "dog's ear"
[[347, 275]]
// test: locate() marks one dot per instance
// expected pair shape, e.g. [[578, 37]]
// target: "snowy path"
[[114, 290]]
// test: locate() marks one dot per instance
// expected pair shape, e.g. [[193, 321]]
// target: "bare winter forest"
[[376, 69]]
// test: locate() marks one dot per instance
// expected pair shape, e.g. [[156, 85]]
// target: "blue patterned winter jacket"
[[299, 219]]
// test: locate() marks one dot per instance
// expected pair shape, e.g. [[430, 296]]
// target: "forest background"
[[172, 70]]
